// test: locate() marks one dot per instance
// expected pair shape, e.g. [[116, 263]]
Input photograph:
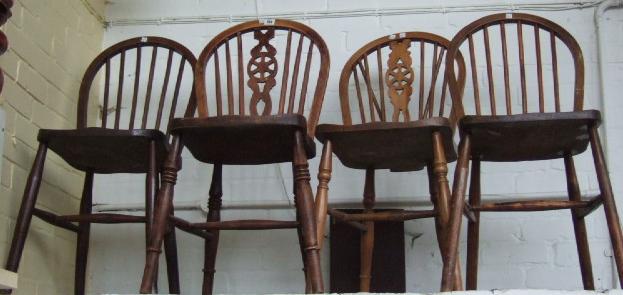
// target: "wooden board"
[[388, 262]]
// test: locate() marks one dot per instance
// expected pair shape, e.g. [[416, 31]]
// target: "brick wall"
[[51, 43], [522, 250]]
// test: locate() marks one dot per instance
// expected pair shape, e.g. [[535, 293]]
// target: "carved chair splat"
[[415, 125], [251, 109]]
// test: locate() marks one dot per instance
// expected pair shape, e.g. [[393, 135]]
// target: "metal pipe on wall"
[[535, 6], [600, 11]]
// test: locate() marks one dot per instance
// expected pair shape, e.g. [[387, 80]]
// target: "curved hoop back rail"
[[528, 46], [261, 68], [133, 89]]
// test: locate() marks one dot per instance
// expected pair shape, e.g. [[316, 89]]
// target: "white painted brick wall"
[[522, 250], [40, 91]]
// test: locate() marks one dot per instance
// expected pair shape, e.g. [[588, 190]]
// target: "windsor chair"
[[119, 144], [409, 137], [252, 129], [523, 126]]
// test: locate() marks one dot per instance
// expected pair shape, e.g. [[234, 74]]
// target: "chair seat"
[[243, 140], [388, 145], [528, 137], [103, 150]]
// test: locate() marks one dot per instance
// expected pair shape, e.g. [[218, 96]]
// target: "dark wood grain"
[[102, 150], [269, 134], [528, 136], [409, 142]]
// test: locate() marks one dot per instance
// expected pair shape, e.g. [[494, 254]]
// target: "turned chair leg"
[[367, 237], [322, 191], [82, 246], [214, 214], [473, 229], [299, 231], [305, 211], [321, 206], [579, 227], [456, 213], [161, 215], [170, 253], [308, 286], [612, 217], [25, 212], [442, 203]]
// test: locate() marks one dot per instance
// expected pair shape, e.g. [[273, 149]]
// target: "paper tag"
[[268, 21], [402, 35], [143, 39], [392, 36], [509, 15]]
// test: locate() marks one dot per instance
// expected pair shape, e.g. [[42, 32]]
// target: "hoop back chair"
[[244, 119], [499, 124], [118, 144], [394, 70]]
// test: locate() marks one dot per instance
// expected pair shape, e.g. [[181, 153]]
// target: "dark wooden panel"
[[388, 263]]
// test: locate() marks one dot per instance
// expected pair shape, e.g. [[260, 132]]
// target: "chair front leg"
[[214, 214], [322, 192], [82, 245], [305, 211], [612, 217], [170, 253], [163, 209], [442, 195], [456, 213], [25, 212]]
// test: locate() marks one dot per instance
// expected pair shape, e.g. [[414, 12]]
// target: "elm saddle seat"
[[102, 150], [398, 146], [243, 140], [513, 137]]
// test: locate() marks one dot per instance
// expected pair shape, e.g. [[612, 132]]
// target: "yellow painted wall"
[[51, 44]]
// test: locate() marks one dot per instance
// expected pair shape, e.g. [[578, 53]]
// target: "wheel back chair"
[[265, 126], [524, 126], [119, 144], [409, 137]]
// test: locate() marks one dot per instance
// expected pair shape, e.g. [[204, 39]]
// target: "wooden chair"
[[409, 137], [525, 126], [263, 127], [119, 144]]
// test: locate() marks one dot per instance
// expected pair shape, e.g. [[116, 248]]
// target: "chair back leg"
[[473, 229], [82, 245], [579, 227], [367, 236], [305, 211], [26, 209], [612, 217], [151, 189], [214, 214]]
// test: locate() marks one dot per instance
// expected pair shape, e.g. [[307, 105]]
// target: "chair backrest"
[[393, 75], [146, 76], [256, 56], [517, 48]]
